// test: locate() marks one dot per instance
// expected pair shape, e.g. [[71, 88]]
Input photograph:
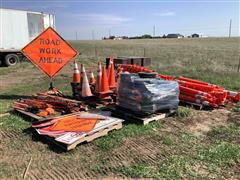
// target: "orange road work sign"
[[49, 52], [75, 124]]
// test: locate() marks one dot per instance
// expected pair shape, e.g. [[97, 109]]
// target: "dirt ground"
[[50, 163]]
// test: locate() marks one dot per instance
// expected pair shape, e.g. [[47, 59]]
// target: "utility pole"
[[230, 27], [109, 32], [154, 31], [76, 34], [93, 38]]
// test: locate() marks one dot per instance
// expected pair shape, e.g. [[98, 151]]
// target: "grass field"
[[191, 145]]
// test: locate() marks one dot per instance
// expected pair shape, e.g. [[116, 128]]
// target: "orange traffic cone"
[[76, 73], [91, 78], [99, 78], [86, 91], [109, 65], [104, 82], [111, 74]]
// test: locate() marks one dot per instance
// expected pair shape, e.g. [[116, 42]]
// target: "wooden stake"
[[238, 65], [95, 51], [27, 169]]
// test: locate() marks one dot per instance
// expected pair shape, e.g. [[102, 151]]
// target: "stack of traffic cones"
[[105, 91], [85, 90], [76, 73], [111, 74], [76, 80]]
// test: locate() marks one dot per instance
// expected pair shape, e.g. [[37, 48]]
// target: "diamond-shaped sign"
[[49, 52]]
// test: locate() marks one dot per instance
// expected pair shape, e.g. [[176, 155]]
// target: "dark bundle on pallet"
[[147, 95]]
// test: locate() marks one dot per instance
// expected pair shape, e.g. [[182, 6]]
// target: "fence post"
[[144, 52], [95, 50], [238, 70]]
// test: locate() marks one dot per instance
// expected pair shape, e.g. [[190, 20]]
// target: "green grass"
[[181, 154], [136, 171], [214, 60], [183, 112], [14, 122], [116, 138], [192, 157], [222, 154], [237, 107]]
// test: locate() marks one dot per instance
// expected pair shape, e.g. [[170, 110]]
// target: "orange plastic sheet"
[[75, 124]]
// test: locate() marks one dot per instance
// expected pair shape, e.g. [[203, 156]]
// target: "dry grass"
[[163, 150]]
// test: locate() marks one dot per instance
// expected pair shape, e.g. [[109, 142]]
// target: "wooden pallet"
[[142, 119], [101, 129], [91, 137]]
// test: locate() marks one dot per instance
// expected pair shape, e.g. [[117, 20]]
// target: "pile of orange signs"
[[75, 124], [68, 123]]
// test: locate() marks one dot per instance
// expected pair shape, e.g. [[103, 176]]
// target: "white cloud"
[[165, 13], [100, 19]]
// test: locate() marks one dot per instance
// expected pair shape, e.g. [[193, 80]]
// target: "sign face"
[[75, 124], [49, 52]]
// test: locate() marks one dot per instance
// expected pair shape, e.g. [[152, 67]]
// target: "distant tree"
[[111, 37], [146, 36], [164, 36]]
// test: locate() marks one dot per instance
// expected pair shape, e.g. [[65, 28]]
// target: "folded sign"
[[49, 51]]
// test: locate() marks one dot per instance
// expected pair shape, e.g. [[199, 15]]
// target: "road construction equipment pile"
[[138, 89], [194, 91], [147, 95]]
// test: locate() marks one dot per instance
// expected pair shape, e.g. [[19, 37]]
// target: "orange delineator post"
[[193, 92], [201, 87], [76, 73], [187, 98]]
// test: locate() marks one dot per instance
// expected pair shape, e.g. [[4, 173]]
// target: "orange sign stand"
[[49, 52], [75, 124]]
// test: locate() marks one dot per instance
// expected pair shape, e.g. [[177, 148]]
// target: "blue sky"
[[131, 18]]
